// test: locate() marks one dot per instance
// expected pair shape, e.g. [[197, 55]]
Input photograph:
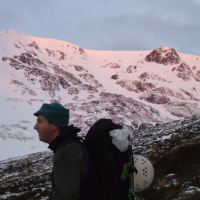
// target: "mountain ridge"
[[131, 87]]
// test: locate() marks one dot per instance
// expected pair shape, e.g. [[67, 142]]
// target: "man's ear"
[[55, 128]]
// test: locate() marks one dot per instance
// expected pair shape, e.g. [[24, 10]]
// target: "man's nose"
[[35, 126]]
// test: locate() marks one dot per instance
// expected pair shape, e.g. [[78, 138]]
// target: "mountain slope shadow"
[[177, 174]]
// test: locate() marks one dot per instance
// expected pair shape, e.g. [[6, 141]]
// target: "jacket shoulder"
[[69, 151]]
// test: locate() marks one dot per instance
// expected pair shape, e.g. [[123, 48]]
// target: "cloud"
[[108, 24]]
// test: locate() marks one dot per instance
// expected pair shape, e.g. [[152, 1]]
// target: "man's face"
[[46, 131]]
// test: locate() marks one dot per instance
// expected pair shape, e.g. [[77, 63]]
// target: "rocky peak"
[[163, 55]]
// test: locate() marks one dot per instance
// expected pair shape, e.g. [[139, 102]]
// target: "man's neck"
[[55, 134]]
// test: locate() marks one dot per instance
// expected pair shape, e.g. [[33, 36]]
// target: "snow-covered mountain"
[[138, 88]]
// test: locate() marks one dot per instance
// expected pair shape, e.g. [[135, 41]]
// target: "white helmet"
[[145, 173]]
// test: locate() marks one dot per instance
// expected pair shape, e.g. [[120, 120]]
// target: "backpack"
[[109, 150]]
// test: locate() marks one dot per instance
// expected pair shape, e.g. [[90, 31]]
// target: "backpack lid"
[[98, 133]]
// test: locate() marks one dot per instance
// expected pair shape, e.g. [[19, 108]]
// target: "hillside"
[[173, 149], [137, 88]]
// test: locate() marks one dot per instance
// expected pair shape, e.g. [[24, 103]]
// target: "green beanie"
[[55, 113]]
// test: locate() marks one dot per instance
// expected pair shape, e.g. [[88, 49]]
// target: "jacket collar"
[[67, 134]]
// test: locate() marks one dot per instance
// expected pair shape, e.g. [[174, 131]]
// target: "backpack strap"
[[88, 185]]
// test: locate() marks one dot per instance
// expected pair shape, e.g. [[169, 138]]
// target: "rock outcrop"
[[163, 55]]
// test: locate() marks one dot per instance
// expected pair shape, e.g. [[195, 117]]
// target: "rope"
[[128, 172]]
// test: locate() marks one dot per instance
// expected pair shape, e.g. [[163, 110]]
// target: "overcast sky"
[[108, 24]]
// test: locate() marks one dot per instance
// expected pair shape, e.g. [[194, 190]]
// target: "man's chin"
[[43, 140]]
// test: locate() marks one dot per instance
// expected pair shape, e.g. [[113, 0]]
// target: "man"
[[72, 176]]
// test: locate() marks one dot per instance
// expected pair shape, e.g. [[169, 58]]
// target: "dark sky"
[[108, 24]]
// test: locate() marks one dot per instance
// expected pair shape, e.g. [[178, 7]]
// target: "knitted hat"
[[55, 113]]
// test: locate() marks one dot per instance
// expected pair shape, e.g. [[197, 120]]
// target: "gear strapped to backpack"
[[109, 149]]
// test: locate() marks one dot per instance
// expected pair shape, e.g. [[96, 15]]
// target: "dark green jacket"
[[69, 166]]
